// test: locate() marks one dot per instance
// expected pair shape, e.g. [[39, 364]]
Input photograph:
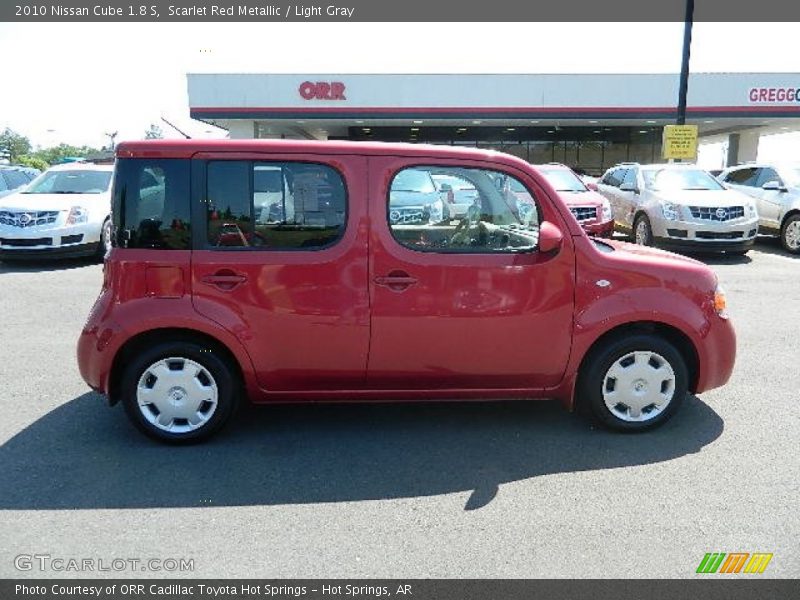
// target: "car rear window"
[[151, 204]]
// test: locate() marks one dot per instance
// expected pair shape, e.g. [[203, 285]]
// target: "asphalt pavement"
[[509, 489]]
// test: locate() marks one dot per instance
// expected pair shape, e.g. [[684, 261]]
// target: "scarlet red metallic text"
[[367, 318]]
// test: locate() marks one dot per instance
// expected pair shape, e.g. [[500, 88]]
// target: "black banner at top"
[[394, 10]]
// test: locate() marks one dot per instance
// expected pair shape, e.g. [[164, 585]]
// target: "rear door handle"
[[225, 280], [396, 281]]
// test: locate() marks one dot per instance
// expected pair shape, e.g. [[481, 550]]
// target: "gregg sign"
[[774, 94]]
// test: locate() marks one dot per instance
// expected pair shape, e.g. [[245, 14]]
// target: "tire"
[[181, 376], [790, 234], [645, 236], [105, 240], [608, 367]]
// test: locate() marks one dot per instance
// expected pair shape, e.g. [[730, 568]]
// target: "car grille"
[[28, 218], [713, 213], [584, 213], [718, 235], [24, 243]]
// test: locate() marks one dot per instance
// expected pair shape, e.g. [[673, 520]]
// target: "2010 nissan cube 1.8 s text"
[[275, 271]]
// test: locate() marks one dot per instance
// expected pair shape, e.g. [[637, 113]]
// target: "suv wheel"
[[634, 383], [642, 231], [790, 234], [178, 392], [105, 240]]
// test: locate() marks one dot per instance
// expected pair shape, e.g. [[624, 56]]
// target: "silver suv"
[[680, 207], [776, 190]]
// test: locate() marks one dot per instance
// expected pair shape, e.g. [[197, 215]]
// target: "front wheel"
[[790, 234], [642, 231], [105, 239], [634, 383], [178, 392]]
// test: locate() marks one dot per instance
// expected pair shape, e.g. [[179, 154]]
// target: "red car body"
[[331, 324]]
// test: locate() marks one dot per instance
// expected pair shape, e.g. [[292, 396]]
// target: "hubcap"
[[177, 395], [639, 386], [641, 233], [792, 235]]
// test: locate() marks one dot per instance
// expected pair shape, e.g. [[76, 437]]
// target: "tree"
[[57, 153], [13, 145], [154, 133], [32, 161]]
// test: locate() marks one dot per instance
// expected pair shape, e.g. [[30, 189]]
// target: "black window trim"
[[534, 250], [200, 241]]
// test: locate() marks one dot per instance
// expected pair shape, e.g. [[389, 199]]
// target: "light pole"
[[687, 45]]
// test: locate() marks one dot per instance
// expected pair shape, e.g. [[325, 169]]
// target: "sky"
[[75, 83]]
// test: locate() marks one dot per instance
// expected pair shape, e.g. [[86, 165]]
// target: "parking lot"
[[511, 489]]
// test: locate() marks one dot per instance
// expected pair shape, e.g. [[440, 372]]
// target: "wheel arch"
[[166, 334]]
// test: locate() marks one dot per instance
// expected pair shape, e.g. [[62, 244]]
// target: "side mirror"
[[774, 186], [592, 186], [629, 187], [550, 237]]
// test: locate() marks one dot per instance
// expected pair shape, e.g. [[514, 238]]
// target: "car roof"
[[81, 166]]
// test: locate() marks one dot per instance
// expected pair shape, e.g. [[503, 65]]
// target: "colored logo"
[[734, 562]]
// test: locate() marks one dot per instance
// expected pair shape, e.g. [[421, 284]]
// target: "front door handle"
[[397, 281], [224, 279]]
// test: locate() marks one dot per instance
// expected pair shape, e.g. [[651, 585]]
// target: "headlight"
[[606, 210], [720, 302], [671, 211], [751, 210], [77, 214], [436, 211]]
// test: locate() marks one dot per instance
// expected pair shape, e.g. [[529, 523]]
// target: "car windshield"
[[413, 180], [83, 181], [563, 180], [679, 179]]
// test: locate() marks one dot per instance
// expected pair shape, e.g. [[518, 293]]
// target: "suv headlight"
[[436, 212], [606, 212], [751, 210], [77, 214], [671, 211]]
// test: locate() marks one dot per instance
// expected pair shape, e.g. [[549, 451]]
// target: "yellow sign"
[[679, 141]]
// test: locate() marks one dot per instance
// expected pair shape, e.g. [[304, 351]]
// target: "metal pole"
[[687, 44]]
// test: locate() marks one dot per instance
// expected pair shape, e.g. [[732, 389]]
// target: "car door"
[[770, 202], [608, 186], [293, 289], [470, 304], [629, 200]]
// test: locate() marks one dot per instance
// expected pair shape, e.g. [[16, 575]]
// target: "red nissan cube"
[[294, 271]]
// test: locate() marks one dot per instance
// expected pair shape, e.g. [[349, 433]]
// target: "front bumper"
[[599, 229], [44, 241], [705, 235]]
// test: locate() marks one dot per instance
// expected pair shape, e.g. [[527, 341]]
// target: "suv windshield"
[[667, 179], [413, 180], [81, 181], [563, 180]]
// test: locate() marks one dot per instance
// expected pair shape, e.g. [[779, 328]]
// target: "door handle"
[[225, 280], [397, 281]]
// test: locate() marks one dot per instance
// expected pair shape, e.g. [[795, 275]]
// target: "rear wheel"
[[179, 392], [790, 234], [642, 231], [634, 383]]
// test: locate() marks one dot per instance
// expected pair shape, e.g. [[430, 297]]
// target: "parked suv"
[[344, 303], [680, 207], [590, 208], [776, 190]]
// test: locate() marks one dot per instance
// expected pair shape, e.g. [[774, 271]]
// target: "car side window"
[[613, 177], [496, 214], [767, 174], [15, 179], [746, 176], [150, 204], [274, 205], [630, 177]]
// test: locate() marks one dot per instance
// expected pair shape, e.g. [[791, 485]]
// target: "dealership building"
[[586, 121]]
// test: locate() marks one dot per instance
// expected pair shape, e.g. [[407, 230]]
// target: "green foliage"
[[55, 154], [32, 161], [13, 145]]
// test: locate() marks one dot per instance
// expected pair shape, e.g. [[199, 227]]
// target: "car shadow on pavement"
[[42, 266], [772, 245], [719, 258], [83, 455]]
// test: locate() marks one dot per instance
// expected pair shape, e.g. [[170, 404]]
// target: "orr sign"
[[322, 90]]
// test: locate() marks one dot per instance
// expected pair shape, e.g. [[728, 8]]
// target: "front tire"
[[642, 231], [179, 392], [105, 240], [634, 383], [790, 234]]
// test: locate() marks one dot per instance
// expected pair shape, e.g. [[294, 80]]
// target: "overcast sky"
[[74, 82]]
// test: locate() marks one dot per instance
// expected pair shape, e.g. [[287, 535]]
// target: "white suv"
[[680, 207], [776, 190], [63, 212]]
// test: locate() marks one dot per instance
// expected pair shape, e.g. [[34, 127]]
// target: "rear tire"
[[179, 392], [633, 383], [642, 231], [790, 234]]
